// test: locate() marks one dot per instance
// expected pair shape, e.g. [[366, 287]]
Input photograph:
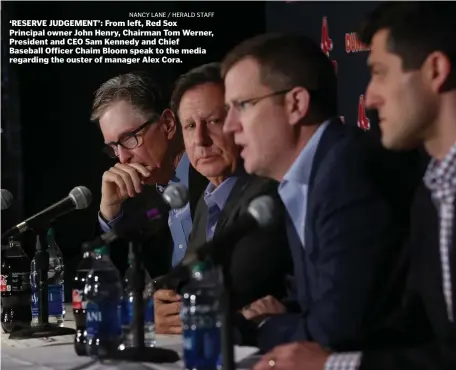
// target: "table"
[[57, 353]]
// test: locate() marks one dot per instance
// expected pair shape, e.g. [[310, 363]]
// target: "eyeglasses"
[[242, 105], [128, 140]]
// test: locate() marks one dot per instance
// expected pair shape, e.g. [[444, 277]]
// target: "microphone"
[[262, 212], [78, 198], [175, 196], [7, 199]]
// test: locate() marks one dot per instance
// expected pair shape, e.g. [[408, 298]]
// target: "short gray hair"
[[137, 88]]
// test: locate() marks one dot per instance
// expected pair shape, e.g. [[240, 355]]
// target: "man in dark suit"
[[281, 91], [413, 87], [259, 262], [145, 139]]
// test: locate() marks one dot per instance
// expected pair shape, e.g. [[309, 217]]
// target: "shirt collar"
[[219, 195], [440, 173], [301, 167]]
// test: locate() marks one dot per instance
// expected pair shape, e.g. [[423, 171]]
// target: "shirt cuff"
[[344, 361], [106, 226]]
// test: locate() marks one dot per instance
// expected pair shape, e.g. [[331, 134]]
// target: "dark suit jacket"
[[357, 218], [156, 240], [418, 335], [258, 262]]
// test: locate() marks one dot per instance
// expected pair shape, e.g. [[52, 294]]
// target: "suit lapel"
[[232, 202], [197, 183]]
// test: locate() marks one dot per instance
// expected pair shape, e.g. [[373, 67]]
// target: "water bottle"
[[103, 292], [15, 288], [127, 307], [54, 279], [200, 315], [58, 253], [80, 304]]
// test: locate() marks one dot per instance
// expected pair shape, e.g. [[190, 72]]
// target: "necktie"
[[213, 213]]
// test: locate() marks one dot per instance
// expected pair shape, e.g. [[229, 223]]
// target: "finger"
[[175, 329], [116, 179], [167, 295], [168, 309], [140, 168], [135, 176], [126, 179], [173, 320]]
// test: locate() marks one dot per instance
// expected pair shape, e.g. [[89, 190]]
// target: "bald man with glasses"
[[147, 143]]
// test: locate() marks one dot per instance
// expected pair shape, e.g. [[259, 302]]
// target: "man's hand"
[[264, 306], [167, 307], [119, 183], [294, 356]]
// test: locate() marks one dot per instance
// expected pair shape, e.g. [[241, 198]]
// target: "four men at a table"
[[347, 279]]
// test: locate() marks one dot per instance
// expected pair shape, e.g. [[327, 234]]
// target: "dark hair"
[[206, 73], [416, 29], [291, 60], [136, 88]]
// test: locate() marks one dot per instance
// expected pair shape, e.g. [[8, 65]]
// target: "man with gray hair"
[[146, 141]]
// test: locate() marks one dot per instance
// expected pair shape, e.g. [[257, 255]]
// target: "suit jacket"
[[418, 335], [259, 261], [156, 240], [357, 218]]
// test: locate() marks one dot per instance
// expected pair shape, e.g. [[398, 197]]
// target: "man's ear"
[[169, 122], [297, 102]]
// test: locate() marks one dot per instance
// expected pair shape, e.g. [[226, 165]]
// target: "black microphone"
[[175, 196], [262, 212], [78, 198], [7, 199]]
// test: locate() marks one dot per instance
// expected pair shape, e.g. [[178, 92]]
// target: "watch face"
[[160, 188]]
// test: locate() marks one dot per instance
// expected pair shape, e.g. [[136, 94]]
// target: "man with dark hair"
[[413, 87], [258, 262], [344, 219], [145, 139]]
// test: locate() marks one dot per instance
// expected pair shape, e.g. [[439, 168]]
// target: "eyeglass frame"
[[108, 148], [238, 104]]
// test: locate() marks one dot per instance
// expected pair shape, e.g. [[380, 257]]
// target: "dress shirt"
[[294, 186], [440, 179], [179, 220], [215, 198]]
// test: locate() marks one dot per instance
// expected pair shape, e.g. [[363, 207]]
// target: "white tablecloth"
[[57, 353]]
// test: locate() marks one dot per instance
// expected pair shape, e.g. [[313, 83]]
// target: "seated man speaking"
[[259, 262]]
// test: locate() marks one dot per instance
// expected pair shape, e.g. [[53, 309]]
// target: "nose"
[[202, 137], [231, 123], [372, 99], [123, 154]]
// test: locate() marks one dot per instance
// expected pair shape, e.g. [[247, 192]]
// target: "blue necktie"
[[213, 213]]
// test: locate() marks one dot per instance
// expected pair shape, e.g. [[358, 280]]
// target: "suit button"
[[181, 246]]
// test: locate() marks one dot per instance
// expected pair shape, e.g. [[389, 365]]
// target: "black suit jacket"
[[156, 240], [358, 203], [418, 335], [258, 262]]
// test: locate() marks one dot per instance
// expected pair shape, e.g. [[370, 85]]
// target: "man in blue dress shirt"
[[143, 136], [347, 206], [198, 104]]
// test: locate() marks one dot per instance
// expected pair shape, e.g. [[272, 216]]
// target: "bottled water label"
[[127, 315], [103, 320], [201, 347], [55, 304]]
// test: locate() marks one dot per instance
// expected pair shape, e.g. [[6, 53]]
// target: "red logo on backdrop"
[[353, 44], [363, 121], [326, 43]]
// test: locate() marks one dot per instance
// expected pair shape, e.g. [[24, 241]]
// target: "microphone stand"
[[44, 329], [226, 331]]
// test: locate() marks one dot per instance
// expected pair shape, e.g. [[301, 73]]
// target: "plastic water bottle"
[[55, 278], [52, 245], [200, 315], [127, 307], [80, 303], [103, 291]]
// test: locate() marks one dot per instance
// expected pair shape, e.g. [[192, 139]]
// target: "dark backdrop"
[[48, 144]]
